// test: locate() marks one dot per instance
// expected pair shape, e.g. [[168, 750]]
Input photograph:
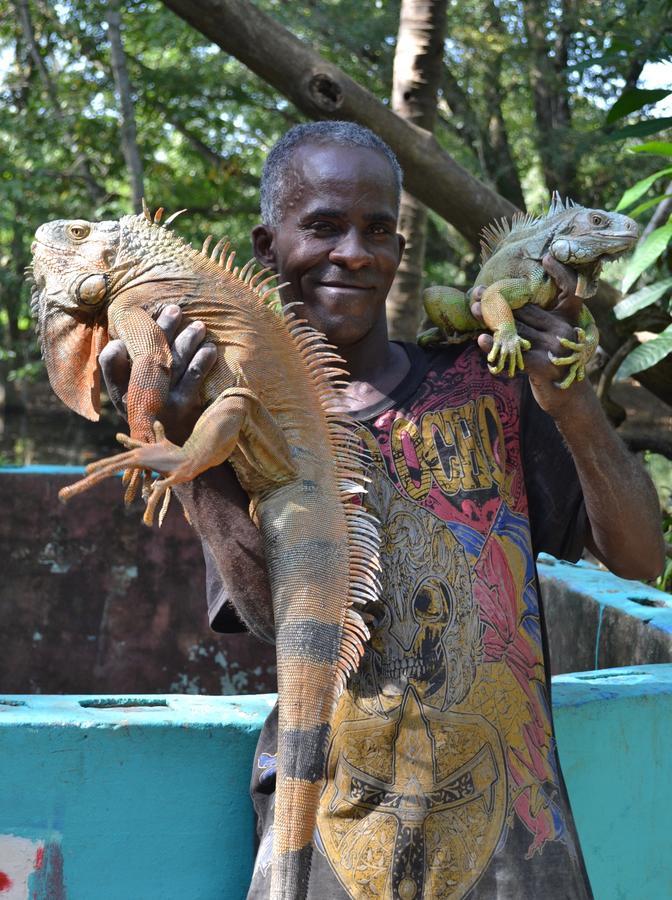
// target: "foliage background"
[[533, 96]]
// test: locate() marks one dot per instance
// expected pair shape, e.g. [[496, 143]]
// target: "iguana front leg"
[[496, 304], [149, 382], [587, 337], [236, 419]]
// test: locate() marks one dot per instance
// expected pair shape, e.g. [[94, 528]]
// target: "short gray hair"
[[276, 167]]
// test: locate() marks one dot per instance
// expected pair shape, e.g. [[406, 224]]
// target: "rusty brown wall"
[[92, 601]]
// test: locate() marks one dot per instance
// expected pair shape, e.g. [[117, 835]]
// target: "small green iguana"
[[273, 410], [513, 275]]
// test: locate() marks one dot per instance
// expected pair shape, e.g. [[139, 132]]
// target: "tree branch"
[[322, 91]]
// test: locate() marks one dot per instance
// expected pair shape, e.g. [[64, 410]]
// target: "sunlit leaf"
[[638, 210], [646, 355], [658, 148], [646, 254], [642, 298], [640, 187], [633, 99]]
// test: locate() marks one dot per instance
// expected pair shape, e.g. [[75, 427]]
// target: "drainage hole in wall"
[[12, 703], [122, 703], [647, 601]]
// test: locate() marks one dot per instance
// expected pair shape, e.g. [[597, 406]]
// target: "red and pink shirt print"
[[443, 779]]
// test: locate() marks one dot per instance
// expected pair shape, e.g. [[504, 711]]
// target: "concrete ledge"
[[127, 798], [614, 733], [597, 620], [120, 797]]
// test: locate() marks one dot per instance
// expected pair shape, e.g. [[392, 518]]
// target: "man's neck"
[[376, 368]]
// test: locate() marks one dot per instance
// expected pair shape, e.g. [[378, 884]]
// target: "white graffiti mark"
[[19, 858]]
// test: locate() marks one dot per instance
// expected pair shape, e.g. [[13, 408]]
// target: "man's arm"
[[621, 502], [214, 502]]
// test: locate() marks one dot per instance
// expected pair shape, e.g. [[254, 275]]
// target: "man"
[[442, 774]]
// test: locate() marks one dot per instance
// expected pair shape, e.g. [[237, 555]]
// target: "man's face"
[[337, 243]]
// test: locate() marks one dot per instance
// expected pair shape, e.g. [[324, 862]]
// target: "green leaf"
[[635, 98], [640, 187], [658, 148], [640, 129], [647, 253], [647, 355], [638, 210], [642, 298]]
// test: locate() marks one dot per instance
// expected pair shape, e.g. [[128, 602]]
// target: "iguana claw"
[[507, 351], [582, 350]]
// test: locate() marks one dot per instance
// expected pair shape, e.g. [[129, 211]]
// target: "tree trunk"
[[81, 164], [322, 91], [500, 165], [548, 81], [129, 143], [417, 71]]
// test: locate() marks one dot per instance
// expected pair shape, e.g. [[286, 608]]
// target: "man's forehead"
[[342, 179], [341, 162]]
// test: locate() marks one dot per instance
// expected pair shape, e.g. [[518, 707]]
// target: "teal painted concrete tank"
[[118, 798], [145, 798]]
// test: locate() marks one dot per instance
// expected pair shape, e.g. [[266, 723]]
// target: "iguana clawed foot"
[[137, 464], [507, 351], [582, 350]]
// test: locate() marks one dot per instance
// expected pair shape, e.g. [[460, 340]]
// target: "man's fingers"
[[169, 320], [566, 279], [199, 366], [185, 347], [116, 368], [476, 311], [563, 276], [485, 342]]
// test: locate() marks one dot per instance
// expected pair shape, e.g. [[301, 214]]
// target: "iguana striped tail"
[[322, 554]]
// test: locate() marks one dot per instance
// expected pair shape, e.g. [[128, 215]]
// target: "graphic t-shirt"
[[442, 774]]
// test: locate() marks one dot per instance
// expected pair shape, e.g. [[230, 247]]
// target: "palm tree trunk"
[[418, 62]]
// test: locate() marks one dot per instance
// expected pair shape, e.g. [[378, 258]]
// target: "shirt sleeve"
[[221, 612], [558, 520], [237, 585]]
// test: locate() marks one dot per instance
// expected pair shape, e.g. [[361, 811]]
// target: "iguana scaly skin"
[[513, 275], [272, 411]]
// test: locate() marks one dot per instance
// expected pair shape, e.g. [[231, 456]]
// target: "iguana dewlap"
[[272, 410], [513, 275]]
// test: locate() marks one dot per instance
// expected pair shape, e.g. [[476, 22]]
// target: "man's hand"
[[544, 329], [192, 360]]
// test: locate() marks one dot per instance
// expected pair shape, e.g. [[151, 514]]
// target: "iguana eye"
[[79, 231], [596, 220]]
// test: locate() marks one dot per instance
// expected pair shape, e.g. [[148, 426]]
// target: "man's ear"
[[263, 245]]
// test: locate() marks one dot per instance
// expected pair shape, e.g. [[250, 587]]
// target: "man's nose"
[[351, 251]]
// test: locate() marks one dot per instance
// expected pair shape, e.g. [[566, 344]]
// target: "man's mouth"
[[345, 286]]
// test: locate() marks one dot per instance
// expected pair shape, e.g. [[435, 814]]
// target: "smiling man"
[[442, 773]]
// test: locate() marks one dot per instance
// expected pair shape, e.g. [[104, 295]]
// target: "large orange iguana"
[[272, 410], [513, 275]]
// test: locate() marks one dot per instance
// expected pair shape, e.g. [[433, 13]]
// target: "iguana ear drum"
[[92, 290]]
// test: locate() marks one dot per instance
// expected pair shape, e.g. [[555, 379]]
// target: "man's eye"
[[322, 227], [379, 229]]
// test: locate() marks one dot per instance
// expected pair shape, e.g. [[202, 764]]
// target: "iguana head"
[[587, 238], [73, 271]]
